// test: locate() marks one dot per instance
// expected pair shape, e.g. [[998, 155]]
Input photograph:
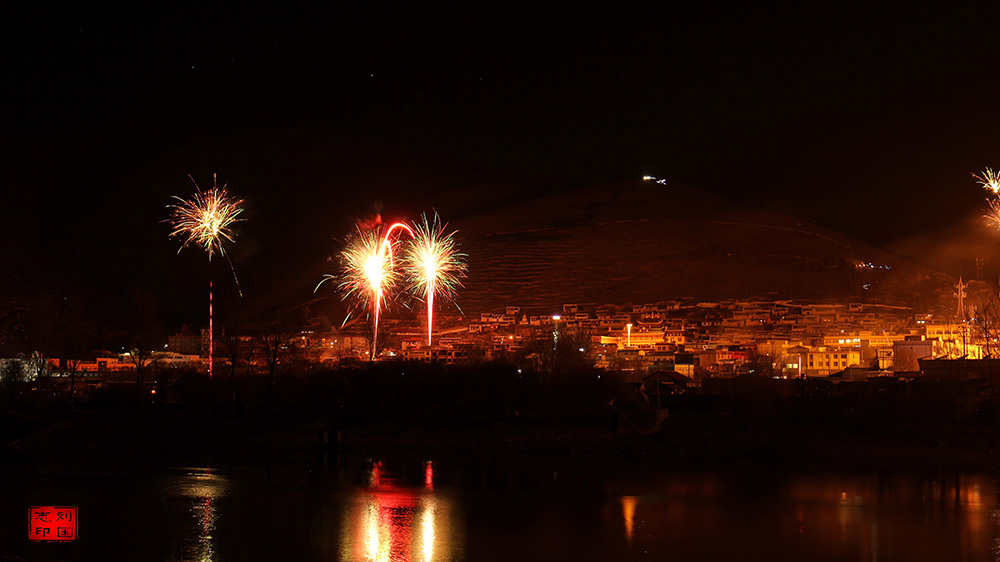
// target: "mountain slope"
[[644, 242]]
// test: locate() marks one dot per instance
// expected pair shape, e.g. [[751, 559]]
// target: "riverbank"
[[160, 437], [725, 441]]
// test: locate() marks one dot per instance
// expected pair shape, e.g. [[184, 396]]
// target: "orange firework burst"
[[990, 180], [369, 275], [993, 216], [434, 264], [204, 220], [367, 268]]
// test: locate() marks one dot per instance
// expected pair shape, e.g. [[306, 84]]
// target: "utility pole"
[[960, 313], [960, 288]]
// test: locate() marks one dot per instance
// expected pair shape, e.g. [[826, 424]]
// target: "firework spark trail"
[[387, 272], [205, 220], [990, 180], [369, 270], [434, 264]]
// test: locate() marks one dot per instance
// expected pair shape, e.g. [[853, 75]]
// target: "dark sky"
[[865, 118]]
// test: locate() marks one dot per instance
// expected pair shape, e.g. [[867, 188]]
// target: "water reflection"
[[391, 522], [866, 517], [511, 508], [201, 489], [428, 530], [628, 513]]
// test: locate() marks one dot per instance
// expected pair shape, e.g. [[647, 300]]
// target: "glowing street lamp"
[[629, 327], [555, 333]]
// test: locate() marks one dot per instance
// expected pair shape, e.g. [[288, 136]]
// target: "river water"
[[501, 508]]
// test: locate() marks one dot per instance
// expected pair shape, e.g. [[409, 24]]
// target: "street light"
[[555, 333]]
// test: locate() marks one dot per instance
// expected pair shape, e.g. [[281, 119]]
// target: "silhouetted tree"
[[983, 327], [142, 331], [237, 346], [76, 339], [558, 352], [276, 346]]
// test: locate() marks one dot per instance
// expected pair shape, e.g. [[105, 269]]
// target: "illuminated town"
[[785, 339]]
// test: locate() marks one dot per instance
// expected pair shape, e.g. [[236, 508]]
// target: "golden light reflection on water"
[[858, 516], [628, 513], [391, 523], [207, 517], [202, 488], [955, 501], [427, 531], [378, 536]]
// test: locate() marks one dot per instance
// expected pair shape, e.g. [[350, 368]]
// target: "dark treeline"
[[392, 392], [884, 421]]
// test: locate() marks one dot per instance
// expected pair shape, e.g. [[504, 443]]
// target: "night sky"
[[863, 118]]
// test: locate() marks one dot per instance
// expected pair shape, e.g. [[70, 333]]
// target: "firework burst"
[[990, 180], [369, 274], [204, 220], [433, 264]]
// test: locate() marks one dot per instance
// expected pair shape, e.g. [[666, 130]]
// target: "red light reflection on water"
[[393, 523]]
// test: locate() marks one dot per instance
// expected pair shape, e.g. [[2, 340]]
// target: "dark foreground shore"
[[164, 437], [495, 408]]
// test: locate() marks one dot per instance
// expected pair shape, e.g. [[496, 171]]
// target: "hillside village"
[[695, 340], [704, 339]]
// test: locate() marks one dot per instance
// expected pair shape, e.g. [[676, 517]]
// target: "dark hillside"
[[642, 241]]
